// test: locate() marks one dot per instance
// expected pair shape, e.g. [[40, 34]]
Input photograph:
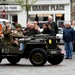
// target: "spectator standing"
[[73, 26], [45, 29], [51, 31], [68, 37], [54, 25]]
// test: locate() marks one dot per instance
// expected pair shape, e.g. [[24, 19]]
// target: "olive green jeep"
[[39, 49]]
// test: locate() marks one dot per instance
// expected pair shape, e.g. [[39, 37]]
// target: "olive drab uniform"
[[8, 37], [18, 34]]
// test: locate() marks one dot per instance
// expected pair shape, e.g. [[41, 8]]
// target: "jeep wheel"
[[13, 60], [38, 57], [54, 60]]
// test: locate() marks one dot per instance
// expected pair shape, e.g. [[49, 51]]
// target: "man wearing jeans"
[[68, 37]]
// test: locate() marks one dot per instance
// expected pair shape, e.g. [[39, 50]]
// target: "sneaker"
[[70, 57], [66, 58]]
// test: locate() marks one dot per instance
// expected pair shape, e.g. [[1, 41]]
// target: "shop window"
[[41, 17], [59, 17]]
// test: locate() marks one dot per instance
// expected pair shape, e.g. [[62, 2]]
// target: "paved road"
[[24, 67]]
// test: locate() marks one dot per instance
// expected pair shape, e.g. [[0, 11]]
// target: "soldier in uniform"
[[8, 37], [11, 36], [18, 33]]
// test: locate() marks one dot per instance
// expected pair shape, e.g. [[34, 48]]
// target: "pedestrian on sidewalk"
[[68, 37], [73, 26]]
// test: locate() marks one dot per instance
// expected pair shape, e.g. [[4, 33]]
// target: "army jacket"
[[8, 38], [18, 34]]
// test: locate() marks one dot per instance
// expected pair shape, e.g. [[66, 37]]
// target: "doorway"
[[14, 18]]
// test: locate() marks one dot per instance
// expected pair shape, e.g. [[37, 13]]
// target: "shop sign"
[[2, 0], [10, 8], [48, 7]]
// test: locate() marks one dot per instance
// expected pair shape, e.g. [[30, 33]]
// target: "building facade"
[[60, 10]]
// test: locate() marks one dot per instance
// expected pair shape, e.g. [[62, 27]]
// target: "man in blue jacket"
[[68, 37]]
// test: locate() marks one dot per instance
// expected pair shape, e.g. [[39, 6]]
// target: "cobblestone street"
[[24, 67]]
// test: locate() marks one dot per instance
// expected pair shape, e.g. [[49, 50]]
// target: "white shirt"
[[73, 27]]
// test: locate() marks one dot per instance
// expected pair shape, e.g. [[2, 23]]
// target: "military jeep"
[[39, 49]]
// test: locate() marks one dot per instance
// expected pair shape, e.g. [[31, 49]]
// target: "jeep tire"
[[38, 57], [13, 60], [55, 59]]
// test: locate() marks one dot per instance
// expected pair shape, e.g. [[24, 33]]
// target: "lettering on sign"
[[57, 7], [48, 7], [1, 8], [40, 8], [8, 7]]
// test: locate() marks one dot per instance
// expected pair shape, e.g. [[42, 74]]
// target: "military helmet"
[[18, 25]]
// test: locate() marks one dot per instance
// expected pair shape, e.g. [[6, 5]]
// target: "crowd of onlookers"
[[33, 28], [51, 28]]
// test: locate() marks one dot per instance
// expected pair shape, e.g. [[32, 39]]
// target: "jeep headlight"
[[50, 41]]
